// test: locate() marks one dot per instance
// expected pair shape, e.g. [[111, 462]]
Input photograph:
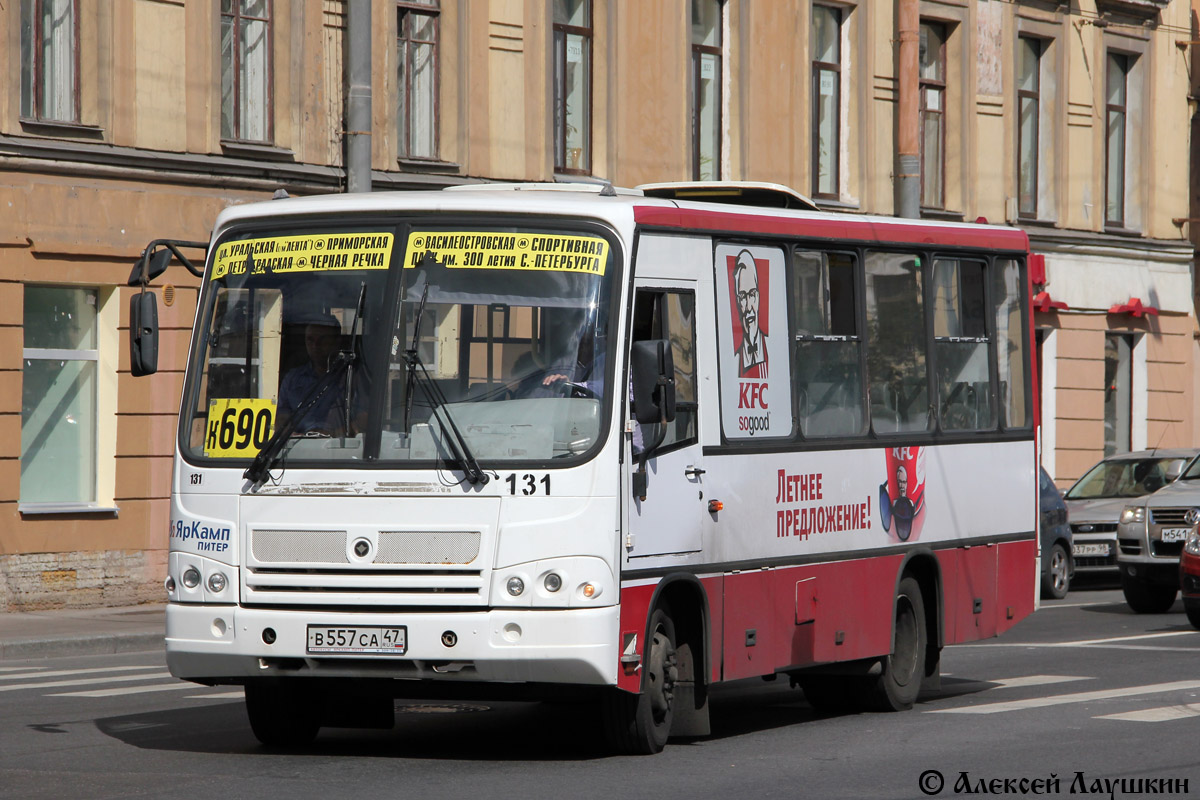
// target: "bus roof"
[[623, 208]]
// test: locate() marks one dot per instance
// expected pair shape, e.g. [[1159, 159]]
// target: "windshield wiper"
[[462, 451], [265, 461]]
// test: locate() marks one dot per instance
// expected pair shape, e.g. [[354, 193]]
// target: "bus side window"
[[960, 346], [670, 315], [828, 372], [896, 369]]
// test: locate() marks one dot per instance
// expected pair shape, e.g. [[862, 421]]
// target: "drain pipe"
[[907, 167], [356, 55]]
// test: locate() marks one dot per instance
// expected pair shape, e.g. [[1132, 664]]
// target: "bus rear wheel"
[[283, 714], [897, 687], [641, 724]]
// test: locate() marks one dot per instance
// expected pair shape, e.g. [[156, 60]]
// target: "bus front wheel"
[[282, 714], [897, 687], [641, 724]]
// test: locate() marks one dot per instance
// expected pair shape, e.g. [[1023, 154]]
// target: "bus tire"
[[897, 687], [282, 714], [641, 724]]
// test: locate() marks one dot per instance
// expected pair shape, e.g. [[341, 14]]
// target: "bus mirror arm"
[[653, 378]]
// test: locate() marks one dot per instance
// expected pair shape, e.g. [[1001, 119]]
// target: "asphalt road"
[[1081, 693]]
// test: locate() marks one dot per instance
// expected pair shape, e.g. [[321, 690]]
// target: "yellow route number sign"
[[238, 427]]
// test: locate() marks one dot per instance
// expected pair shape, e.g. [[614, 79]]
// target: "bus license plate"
[[1175, 534], [1091, 549], [389, 640]]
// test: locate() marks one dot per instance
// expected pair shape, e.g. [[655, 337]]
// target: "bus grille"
[[401, 568]]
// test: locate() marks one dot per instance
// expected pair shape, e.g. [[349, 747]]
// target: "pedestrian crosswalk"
[[967, 696], [992, 704], [98, 682]]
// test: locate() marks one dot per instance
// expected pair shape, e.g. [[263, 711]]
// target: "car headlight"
[[1133, 514], [1192, 546]]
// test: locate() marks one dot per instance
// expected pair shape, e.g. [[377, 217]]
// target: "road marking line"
[[1063, 699], [155, 687], [1164, 714], [1111, 641], [1028, 680], [59, 673], [14, 669], [83, 681], [238, 695], [1115, 639]]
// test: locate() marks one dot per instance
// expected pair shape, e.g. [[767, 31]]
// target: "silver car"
[[1151, 533], [1095, 502]]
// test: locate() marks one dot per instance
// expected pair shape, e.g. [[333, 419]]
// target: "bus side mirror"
[[653, 370], [143, 334]]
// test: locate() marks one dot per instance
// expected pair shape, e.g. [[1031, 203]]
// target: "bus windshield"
[[384, 345]]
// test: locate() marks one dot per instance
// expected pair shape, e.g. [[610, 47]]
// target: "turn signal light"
[[714, 506]]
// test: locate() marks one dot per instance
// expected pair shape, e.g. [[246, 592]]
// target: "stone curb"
[[82, 645]]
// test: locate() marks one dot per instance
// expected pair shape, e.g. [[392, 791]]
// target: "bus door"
[[671, 516]]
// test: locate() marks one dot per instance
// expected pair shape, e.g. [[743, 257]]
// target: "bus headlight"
[[191, 577], [1133, 514], [217, 582], [568, 582], [1192, 547]]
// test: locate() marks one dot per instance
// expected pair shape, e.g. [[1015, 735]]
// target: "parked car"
[[1097, 499], [1189, 577], [1058, 565], [1150, 537]]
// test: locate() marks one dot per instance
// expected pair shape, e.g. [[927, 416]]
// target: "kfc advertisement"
[[752, 336]]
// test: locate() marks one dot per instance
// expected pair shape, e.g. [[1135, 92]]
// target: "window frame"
[[33, 61], [237, 67], [1029, 210], [819, 69], [1126, 61], [92, 356], [404, 43], [698, 51], [559, 76], [938, 86]]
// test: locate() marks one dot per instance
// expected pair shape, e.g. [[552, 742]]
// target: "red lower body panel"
[[765, 620]]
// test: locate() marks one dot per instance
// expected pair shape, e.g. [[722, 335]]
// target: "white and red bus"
[[562, 441]]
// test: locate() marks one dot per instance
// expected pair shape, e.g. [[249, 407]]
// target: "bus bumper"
[[228, 644]]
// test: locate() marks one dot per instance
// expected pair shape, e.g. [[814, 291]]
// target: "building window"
[[827, 94], [417, 79], [58, 396], [50, 60], [706, 89], [1029, 84], [573, 86], [246, 70], [932, 65], [1117, 82], [1118, 392]]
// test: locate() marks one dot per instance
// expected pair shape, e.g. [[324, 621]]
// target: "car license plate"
[[389, 640], [1174, 534], [1090, 549]]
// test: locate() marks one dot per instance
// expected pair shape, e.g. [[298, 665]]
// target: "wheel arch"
[[685, 596], [923, 566]]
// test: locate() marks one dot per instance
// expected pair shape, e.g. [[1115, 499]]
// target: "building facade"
[[134, 120]]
